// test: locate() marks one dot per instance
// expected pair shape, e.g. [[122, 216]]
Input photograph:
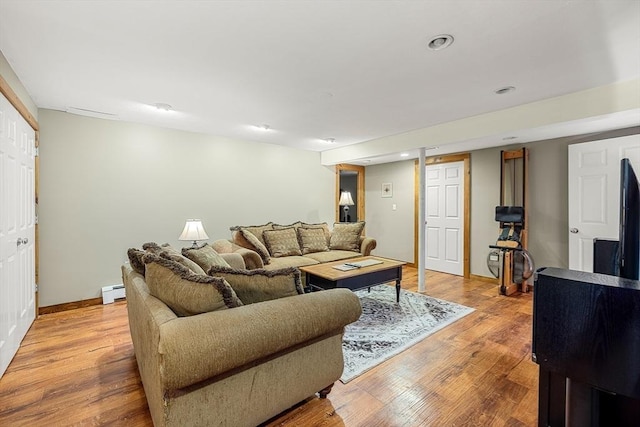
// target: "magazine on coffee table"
[[357, 264]]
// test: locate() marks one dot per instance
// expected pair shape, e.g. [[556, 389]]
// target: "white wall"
[[16, 85], [107, 185]]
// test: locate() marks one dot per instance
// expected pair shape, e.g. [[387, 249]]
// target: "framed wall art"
[[387, 189]]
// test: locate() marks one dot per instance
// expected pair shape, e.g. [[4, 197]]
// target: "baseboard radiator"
[[112, 293]]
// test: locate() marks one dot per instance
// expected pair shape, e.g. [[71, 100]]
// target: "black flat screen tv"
[[629, 247]]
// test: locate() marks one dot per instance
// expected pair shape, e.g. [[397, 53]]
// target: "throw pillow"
[[180, 259], [258, 245], [135, 260], [256, 230], [322, 225], [312, 240], [184, 292], [205, 256], [259, 285], [346, 236], [282, 242], [154, 248]]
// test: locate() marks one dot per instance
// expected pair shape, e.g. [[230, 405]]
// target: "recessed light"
[[439, 42], [164, 107], [262, 128], [329, 140], [504, 90], [508, 138], [404, 154]]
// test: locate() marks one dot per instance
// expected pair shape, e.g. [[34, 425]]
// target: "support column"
[[421, 262]]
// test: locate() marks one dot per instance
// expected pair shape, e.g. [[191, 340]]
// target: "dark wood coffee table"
[[325, 276]]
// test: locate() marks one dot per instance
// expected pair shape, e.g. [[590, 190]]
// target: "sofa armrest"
[[234, 338], [251, 259], [234, 260], [367, 244]]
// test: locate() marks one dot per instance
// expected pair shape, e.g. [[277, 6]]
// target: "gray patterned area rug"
[[387, 328]]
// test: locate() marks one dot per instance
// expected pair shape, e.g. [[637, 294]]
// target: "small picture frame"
[[387, 189]]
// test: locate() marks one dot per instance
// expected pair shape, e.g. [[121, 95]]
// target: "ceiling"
[[354, 71]]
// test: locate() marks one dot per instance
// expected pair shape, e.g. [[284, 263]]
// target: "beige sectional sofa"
[[273, 246], [205, 352]]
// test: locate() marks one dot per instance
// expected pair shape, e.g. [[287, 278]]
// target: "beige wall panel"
[[109, 185]]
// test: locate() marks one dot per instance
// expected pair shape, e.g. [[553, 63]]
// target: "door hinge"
[[36, 220], [35, 287], [36, 152]]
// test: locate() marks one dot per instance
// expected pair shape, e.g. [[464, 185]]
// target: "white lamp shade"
[[345, 199], [193, 230]]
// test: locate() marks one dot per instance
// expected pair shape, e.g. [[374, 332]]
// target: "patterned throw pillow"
[[256, 230], [282, 242], [322, 225], [135, 260], [172, 253], [257, 244], [312, 240], [186, 293], [346, 236], [205, 256], [259, 285]]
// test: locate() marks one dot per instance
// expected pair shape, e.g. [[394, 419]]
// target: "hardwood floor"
[[78, 368]]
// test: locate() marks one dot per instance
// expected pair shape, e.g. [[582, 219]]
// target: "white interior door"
[[594, 194], [444, 213], [17, 230]]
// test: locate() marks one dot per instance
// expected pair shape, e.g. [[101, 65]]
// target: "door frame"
[[466, 221], [22, 109], [360, 184]]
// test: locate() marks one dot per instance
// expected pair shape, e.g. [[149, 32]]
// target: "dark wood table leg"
[[398, 284]]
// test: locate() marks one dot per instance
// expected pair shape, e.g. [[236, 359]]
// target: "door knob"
[[573, 230]]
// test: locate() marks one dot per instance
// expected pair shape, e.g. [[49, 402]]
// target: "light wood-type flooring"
[[78, 368]]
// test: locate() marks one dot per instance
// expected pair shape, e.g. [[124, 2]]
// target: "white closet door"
[[594, 194], [17, 230], [444, 210]]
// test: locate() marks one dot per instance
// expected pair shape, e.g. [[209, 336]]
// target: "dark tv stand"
[[586, 339]]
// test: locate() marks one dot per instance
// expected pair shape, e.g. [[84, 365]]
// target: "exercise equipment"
[[508, 259]]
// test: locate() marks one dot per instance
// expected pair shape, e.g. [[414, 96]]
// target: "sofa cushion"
[[135, 259], [312, 240], [172, 253], [346, 236], [283, 242], [323, 225], [253, 286], [256, 244], [205, 256], [333, 255], [183, 291], [289, 261]]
